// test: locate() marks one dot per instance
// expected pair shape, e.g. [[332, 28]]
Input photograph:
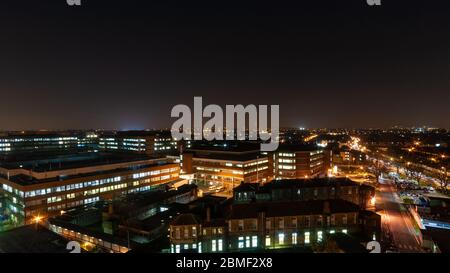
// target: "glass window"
[[213, 245], [281, 238], [254, 241], [307, 238], [220, 244], [319, 236], [241, 242], [294, 238]]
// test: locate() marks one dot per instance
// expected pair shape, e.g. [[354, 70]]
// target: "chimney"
[[208, 214]]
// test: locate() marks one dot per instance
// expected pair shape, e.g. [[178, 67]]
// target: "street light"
[[37, 219]]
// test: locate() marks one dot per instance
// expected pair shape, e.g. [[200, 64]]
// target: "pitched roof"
[[280, 209], [186, 219]]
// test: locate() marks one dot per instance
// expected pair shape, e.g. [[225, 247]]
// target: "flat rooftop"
[[51, 162], [226, 146], [32, 239], [298, 148], [77, 161], [231, 157]]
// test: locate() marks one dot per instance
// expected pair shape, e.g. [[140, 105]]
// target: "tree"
[[378, 168], [414, 173], [443, 179]]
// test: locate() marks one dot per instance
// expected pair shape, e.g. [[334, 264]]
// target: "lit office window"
[[254, 241], [213, 245], [268, 241], [200, 247], [220, 245], [247, 241], [241, 242], [294, 238], [307, 238], [281, 238], [177, 249], [319, 236], [344, 231], [332, 231]]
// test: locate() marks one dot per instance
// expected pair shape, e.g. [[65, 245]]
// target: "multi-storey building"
[[299, 161], [226, 165], [48, 186], [142, 142], [46, 142]]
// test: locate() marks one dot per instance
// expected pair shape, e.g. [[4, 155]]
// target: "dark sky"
[[125, 64]]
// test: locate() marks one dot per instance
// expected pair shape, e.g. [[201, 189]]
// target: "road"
[[396, 221]]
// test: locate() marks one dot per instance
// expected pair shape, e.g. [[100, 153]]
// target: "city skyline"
[[107, 64]]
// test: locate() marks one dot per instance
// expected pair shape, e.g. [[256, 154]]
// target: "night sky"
[[125, 64]]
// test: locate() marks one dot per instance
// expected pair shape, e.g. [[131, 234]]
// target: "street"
[[397, 224]]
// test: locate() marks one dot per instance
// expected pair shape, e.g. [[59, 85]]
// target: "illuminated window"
[[213, 245], [241, 242], [281, 238], [268, 240], [254, 241], [294, 238], [319, 236], [247, 241], [220, 244], [307, 238], [177, 249], [344, 231]]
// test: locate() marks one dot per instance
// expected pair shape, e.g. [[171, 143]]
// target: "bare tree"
[[443, 179], [414, 173], [378, 168]]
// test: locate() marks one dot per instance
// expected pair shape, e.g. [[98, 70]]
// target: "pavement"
[[397, 223]]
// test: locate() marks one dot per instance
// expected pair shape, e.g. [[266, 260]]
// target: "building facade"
[[46, 142], [35, 190], [141, 142], [298, 162], [306, 190], [272, 225], [226, 169]]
